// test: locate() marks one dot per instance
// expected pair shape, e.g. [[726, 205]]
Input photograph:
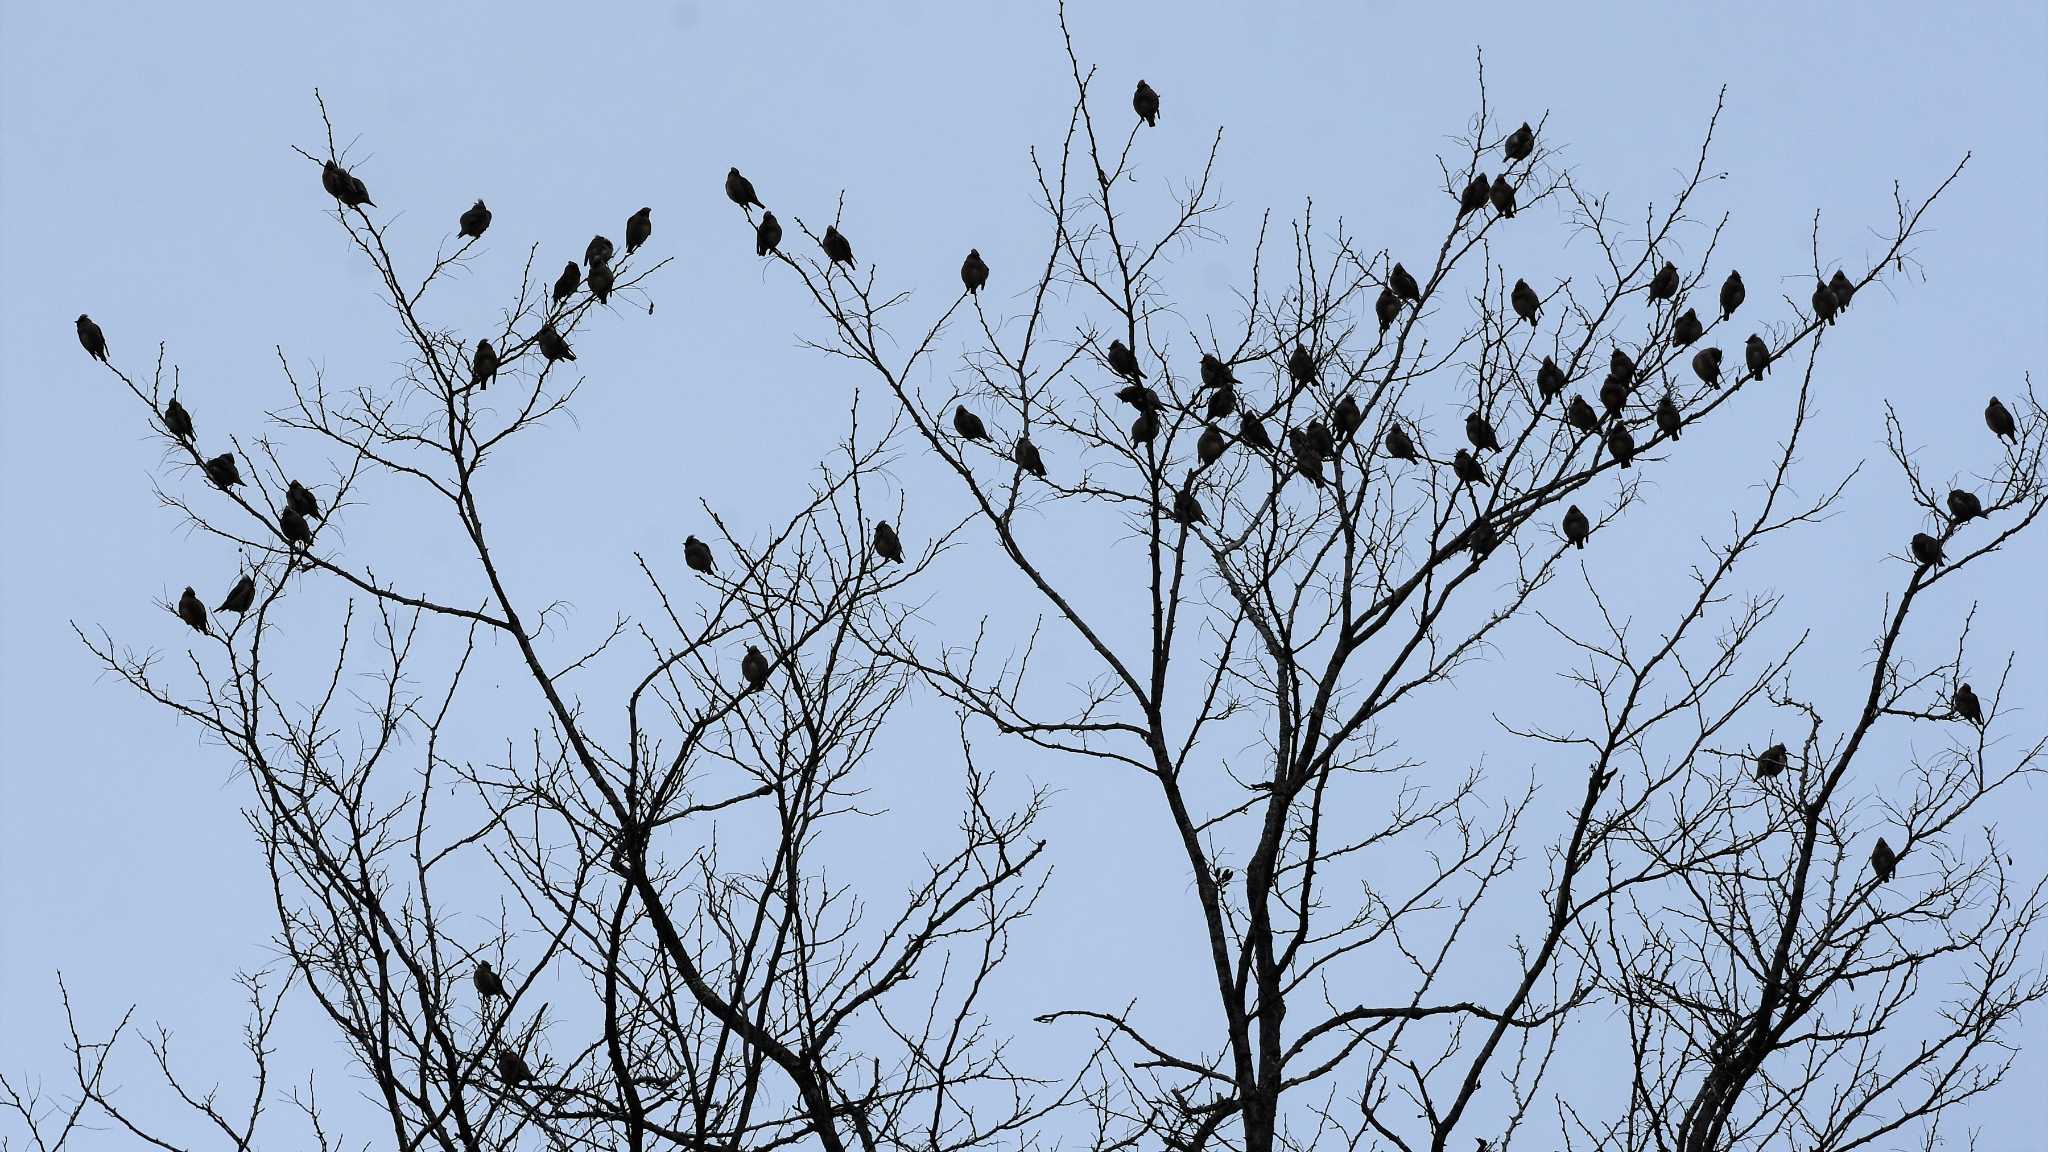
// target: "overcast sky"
[[147, 177]]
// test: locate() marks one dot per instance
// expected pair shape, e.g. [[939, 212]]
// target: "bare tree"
[[1297, 559]]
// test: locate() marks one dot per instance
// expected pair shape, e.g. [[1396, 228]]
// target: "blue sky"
[[146, 177]]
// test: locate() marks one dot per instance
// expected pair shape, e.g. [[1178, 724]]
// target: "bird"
[[1687, 328], [598, 251], [334, 178], [1027, 457], [567, 283], [1844, 291], [601, 280], [1387, 308], [1966, 705], [740, 190], [1480, 433], [1145, 102], [1187, 511], [300, 499], [1664, 285], [973, 271], [239, 598], [1883, 861], [697, 554], [1996, 418], [767, 234], [552, 345], [1668, 420], [968, 424], [291, 524], [1145, 429], [192, 612], [1614, 394], [1482, 538], [1620, 444], [1503, 196], [1306, 460], [1756, 355], [487, 982], [1404, 285], [177, 421], [1473, 198], [1123, 361], [91, 338], [754, 667], [1963, 506], [512, 1067], [1222, 402], [1215, 373], [639, 226], [483, 364], [1580, 415], [1926, 549], [475, 221], [837, 248], [1706, 364], [1346, 416], [1211, 446], [1732, 293], [1549, 378], [1140, 397], [1301, 366], [358, 193], [1253, 432], [1824, 302], [1525, 301], [1467, 469], [1399, 446], [222, 471], [1519, 144], [1772, 761], [1320, 439], [886, 545], [1576, 527], [1620, 364]]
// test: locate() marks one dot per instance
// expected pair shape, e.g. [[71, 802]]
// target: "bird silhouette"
[[1963, 506], [1253, 432], [837, 248], [552, 345], [1399, 446], [1772, 761], [1967, 706], [1519, 144], [1145, 102], [1614, 394], [91, 338], [192, 612], [754, 667], [1467, 469], [1145, 429], [601, 280], [1580, 415], [475, 221], [345, 186], [1123, 361], [300, 499], [1503, 196], [740, 190], [1473, 198], [1222, 402], [1620, 364], [697, 554], [598, 251], [1687, 328], [1576, 527], [1549, 378], [973, 271], [487, 982], [1211, 446], [967, 424], [767, 234], [1668, 420], [1027, 457], [1525, 302], [1215, 373], [1320, 440], [1883, 861], [512, 1067], [1140, 397], [1187, 511], [1301, 366], [1480, 433], [1996, 418], [1482, 538], [1756, 355], [1844, 290], [1824, 302], [291, 524], [1732, 293], [222, 471], [1404, 285], [1307, 460], [1706, 364], [1387, 308], [1664, 285], [483, 365], [639, 226], [886, 545], [1620, 444], [567, 283], [1346, 417], [1926, 549], [240, 598], [177, 421]]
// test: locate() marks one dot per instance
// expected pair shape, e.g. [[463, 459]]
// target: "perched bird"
[[1963, 506], [639, 226], [1519, 144], [1756, 355], [91, 338], [1123, 361], [767, 234], [1253, 432], [1480, 433], [1706, 364], [552, 345], [837, 248], [334, 178], [292, 525], [1404, 285], [1668, 421], [483, 365], [1883, 861], [1772, 761], [1473, 198], [1222, 402], [512, 1067], [1926, 549], [1482, 538], [886, 545], [177, 421], [697, 554], [358, 193], [1687, 328], [1614, 394], [1399, 446], [1844, 291], [1467, 469], [601, 280], [973, 271], [1187, 511], [222, 471], [1306, 460], [475, 221], [1346, 416], [740, 190], [487, 982], [1320, 440], [1145, 102], [967, 424], [1211, 446], [1996, 418], [1620, 364], [1525, 301], [1140, 397], [1145, 429], [192, 612], [754, 667], [1732, 293], [1664, 285], [1824, 302], [1620, 444], [1301, 366], [1387, 308], [1503, 196], [1215, 373], [1576, 527], [598, 251], [240, 598], [1549, 378], [1580, 415], [300, 499], [1966, 705], [567, 283], [1027, 457]]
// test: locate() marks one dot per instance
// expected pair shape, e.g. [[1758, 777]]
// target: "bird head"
[[478, 204], [483, 966], [84, 319]]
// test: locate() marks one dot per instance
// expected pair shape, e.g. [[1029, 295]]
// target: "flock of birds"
[[1309, 447]]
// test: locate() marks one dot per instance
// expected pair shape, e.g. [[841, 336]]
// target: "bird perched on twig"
[[973, 271], [1550, 378], [639, 226], [1620, 444], [1963, 506], [1576, 527], [1473, 198], [1996, 418], [91, 338], [475, 221], [192, 612], [1404, 285], [1145, 429], [1399, 446], [1824, 302], [1145, 102], [1503, 196], [1466, 468], [1614, 394], [697, 554], [1966, 705], [1687, 328], [487, 981], [567, 283], [1320, 440], [1187, 511], [1519, 144], [300, 499], [291, 524], [1620, 364], [1525, 302], [1482, 538], [1883, 861], [1387, 308], [512, 1067], [1253, 432], [1706, 364], [886, 545], [1346, 417], [1772, 761], [967, 424], [1668, 419], [1211, 446], [1301, 366], [1732, 294], [345, 186], [1756, 356], [767, 234], [740, 190], [1581, 416], [838, 248], [1222, 402], [483, 365], [1307, 460], [598, 251], [1844, 290], [601, 280], [1215, 373], [552, 345], [1926, 549], [754, 666], [1027, 457], [1480, 433], [1664, 285], [1123, 361], [222, 471], [240, 598], [177, 421]]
